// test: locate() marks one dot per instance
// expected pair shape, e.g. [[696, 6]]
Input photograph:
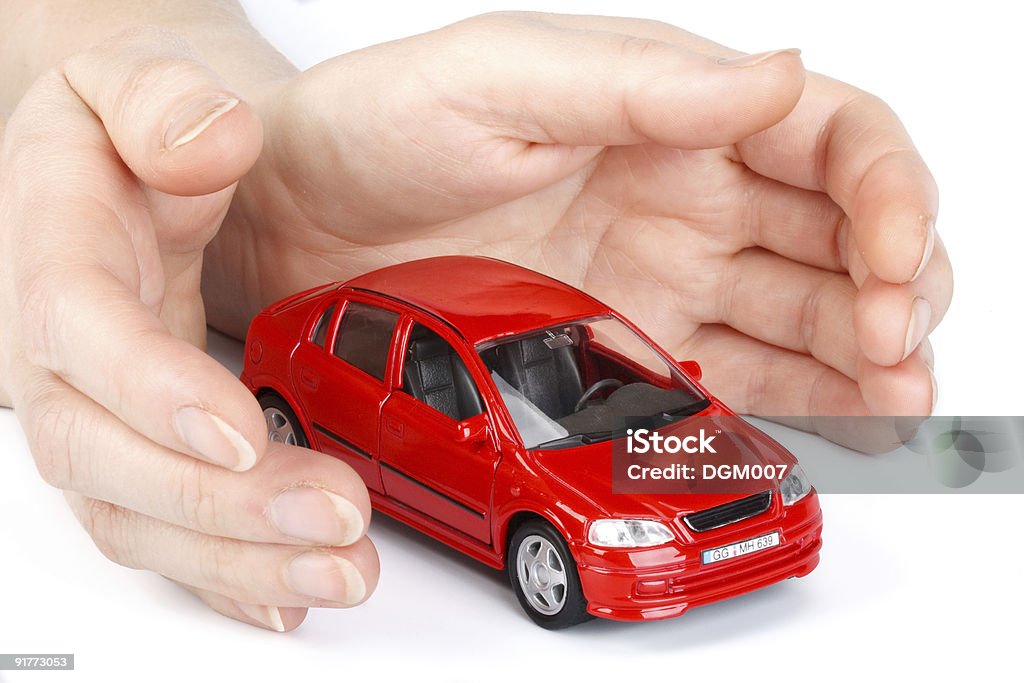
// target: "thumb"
[[155, 98], [611, 88]]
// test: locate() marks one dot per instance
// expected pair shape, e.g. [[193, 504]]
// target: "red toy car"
[[474, 397]]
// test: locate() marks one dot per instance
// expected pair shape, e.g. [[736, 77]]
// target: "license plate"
[[751, 545]]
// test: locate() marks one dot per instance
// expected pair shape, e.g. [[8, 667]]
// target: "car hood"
[[587, 472]]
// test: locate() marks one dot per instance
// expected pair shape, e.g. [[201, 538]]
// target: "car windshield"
[[574, 383]]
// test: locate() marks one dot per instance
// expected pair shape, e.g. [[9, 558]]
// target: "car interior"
[[556, 388], [435, 374], [549, 377]]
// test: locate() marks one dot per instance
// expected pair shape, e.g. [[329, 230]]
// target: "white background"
[[921, 585]]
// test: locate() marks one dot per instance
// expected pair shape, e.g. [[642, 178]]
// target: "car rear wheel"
[[544, 577], [282, 425]]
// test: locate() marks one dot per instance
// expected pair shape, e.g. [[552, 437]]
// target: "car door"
[[341, 373], [437, 452]]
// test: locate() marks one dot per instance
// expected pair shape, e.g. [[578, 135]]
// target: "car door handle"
[[394, 426], [309, 378]]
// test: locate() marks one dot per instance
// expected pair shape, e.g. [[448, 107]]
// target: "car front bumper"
[[659, 583]]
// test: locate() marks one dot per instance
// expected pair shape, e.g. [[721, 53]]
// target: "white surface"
[[918, 585]]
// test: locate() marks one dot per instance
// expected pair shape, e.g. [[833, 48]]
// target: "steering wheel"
[[593, 389]]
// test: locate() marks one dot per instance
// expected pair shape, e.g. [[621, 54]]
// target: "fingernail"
[[326, 577], [268, 616], [927, 354], [920, 316], [318, 516], [755, 59], [929, 246], [214, 439], [935, 391], [196, 118]]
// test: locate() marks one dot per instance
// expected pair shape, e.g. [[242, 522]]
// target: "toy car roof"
[[482, 298]]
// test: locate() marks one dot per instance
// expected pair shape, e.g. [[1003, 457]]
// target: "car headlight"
[[628, 533], [795, 486]]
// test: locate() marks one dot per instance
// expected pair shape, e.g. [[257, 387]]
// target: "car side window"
[[319, 336], [364, 337], [434, 374]]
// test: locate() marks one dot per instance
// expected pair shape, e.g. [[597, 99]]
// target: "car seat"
[[548, 378], [436, 375]]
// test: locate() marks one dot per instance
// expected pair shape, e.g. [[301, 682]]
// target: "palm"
[[603, 227], [647, 229], [662, 226]]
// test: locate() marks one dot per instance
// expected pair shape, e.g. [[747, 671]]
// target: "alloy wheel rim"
[[542, 577], [279, 427]]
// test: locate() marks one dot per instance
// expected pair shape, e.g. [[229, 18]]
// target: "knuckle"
[[196, 499], [637, 48], [55, 432], [47, 87], [30, 129], [157, 70], [873, 104], [42, 312], [218, 566], [111, 529], [170, 75], [757, 389], [149, 62]]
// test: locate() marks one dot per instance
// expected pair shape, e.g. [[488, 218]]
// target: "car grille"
[[737, 510]]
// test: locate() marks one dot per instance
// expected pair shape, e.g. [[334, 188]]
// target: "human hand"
[[779, 231], [115, 172]]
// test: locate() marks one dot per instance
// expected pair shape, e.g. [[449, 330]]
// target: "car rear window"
[[320, 331], [364, 337]]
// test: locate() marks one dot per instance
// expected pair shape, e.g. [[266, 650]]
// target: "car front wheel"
[[544, 577], [282, 425]]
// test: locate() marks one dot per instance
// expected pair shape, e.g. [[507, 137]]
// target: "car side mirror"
[[472, 429], [691, 368]]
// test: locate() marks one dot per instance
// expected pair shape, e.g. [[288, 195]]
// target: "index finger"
[[850, 144]]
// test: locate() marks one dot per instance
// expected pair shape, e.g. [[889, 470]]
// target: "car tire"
[[544, 576], [282, 424]]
